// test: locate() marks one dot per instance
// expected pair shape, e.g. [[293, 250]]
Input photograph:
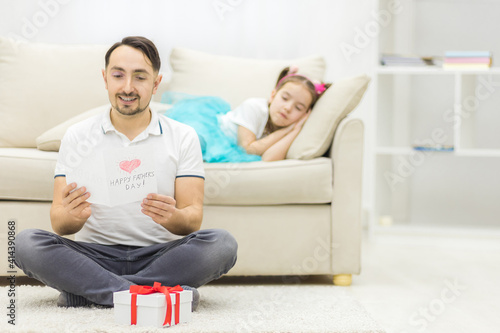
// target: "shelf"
[[476, 152], [431, 106], [432, 70]]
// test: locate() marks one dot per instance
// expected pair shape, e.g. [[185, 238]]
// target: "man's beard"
[[127, 110]]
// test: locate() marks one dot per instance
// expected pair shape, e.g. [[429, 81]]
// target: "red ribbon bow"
[[157, 287]]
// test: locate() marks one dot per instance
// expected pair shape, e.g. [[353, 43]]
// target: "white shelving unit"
[[437, 107]]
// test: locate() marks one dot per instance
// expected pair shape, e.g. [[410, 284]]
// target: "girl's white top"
[[252, 114]]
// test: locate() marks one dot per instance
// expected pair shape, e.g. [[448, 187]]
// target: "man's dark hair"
[[144, 45]]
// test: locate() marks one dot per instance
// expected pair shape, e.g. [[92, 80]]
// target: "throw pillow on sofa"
[[42, 85], [336, 103], [234, 79]]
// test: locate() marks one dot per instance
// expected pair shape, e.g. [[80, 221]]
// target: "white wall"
[[251, 28], [335, 29]]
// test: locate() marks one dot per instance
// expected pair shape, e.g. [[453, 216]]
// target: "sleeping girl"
[[259, 128]]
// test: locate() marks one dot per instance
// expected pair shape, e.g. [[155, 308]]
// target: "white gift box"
[[151, 308]]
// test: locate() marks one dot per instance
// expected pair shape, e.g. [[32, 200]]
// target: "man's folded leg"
[[67, 266], [194, 260]]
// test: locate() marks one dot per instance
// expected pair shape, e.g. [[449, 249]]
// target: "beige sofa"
[[300, 216]]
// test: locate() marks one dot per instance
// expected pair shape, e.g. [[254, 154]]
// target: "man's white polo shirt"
[[178, 155]]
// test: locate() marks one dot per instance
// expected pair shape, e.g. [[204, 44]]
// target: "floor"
[[430, 280], [423, 280]]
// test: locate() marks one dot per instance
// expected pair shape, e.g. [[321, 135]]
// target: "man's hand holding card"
[[159, 207]]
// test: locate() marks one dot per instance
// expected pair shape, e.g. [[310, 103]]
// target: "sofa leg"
[[343, 280]]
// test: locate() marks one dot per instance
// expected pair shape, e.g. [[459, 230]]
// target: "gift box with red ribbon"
[[153, 306]]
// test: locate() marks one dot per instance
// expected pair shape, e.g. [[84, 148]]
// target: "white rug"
[[249, 308]]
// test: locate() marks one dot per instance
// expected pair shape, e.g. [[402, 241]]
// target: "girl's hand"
[[301, 121]]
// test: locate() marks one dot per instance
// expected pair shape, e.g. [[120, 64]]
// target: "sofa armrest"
[[347, 158]]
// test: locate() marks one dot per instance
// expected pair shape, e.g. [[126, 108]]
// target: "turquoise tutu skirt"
[[202, 113]]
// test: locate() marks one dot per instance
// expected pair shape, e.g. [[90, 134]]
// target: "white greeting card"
[[118, 176]]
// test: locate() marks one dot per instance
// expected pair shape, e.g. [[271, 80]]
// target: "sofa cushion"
[[51, 139], [269, 183], [231, 78], [26, 174], [41, 85], [336, 103]]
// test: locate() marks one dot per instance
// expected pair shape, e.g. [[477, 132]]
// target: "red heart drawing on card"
[[129, 166]]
